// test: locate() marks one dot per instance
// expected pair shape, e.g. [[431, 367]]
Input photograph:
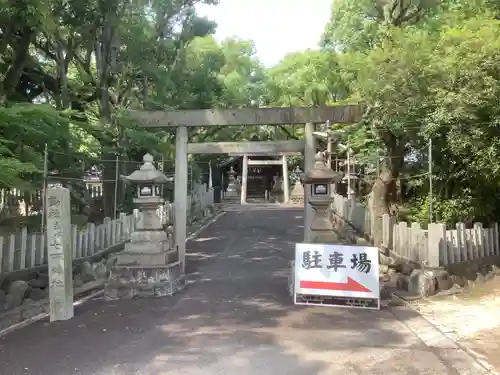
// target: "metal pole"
[[190, 189], [329, 152], [378, 164], [44, 184], [348, 169], [430, 181], [162, 171], [116, 186]]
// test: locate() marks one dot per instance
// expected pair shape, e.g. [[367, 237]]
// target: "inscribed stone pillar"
[[244, 182], [286, 181], [59, 251]]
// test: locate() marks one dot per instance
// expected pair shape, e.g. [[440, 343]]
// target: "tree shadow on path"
[[235, 317]]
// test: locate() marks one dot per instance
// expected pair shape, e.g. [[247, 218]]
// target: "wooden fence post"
[[403, 243], [74, 240], [43, 245], [496, 250], [437, 240], [12, 252], [478, 240], [102, 236], [462, 245], [122, 226], [2, 240], [91, 237], [33, 237], [386, 230], [487, 241], [81, 245], [415, 245], [23, 247], [108, 230]]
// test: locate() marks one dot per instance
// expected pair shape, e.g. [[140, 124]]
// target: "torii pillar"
[[286, 182], [244, 180]]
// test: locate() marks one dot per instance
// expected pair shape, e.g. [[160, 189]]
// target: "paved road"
[[235, 318]]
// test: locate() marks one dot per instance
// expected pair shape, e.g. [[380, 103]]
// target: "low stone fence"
[[440, 247], [23, 251], [435, 246]]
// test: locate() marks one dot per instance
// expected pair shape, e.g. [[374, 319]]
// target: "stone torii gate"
[[283, 162], [182, 119]]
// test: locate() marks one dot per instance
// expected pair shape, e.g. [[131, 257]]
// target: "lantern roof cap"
[[147, 173], [320, 171]]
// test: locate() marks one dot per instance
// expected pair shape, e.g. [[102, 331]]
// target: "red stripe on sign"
[[350, 286]]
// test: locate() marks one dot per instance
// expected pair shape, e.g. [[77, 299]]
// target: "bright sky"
[[277, 27]]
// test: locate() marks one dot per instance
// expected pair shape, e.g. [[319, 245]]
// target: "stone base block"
[[126, 282], [147, 247], [231, 194], [149, 236], [125, 258]]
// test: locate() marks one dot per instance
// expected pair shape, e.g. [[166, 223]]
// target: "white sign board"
[[336, 271]]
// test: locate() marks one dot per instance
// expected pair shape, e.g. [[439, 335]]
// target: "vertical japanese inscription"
[[59, 253], [55, 244]]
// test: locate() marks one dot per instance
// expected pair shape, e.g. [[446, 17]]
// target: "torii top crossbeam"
[[347, 114]]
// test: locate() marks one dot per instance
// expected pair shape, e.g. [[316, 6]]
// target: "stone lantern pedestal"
[[319, 179], [148, 266]]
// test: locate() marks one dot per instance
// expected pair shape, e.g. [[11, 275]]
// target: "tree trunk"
[[383, 196], [104, 70], [19, 57]]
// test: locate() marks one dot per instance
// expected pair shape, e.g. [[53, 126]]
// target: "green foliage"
[[69, 71], [464, 208], [424, 69], [306, 79]]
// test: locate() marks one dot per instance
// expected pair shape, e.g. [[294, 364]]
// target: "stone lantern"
[[319, 180], [148, 266], [148, 198], [232, 189]]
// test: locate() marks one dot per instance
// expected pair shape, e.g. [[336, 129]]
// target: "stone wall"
[[436, 246]]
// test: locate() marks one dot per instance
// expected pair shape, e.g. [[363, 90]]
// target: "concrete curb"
[[38, 317], [423, 330], [195, 234], [32, 272], [100, 292]]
